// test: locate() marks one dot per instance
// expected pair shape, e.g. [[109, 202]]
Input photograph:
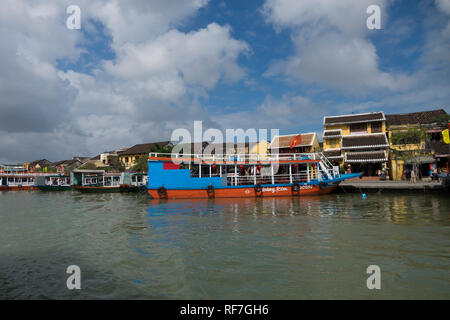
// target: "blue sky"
[[137, 70]]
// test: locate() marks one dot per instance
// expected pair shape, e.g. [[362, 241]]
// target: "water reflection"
[[265, 248]]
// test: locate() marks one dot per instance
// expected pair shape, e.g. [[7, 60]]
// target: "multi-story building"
[[357, 142], [416, 143], [37, 165], [130, 156], [65, 166]]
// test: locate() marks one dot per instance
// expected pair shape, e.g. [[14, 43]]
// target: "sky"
[[137, 70]]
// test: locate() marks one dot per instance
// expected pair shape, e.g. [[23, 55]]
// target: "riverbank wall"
[[364, 186]]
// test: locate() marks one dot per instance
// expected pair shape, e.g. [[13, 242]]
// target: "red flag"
[[295, 141]]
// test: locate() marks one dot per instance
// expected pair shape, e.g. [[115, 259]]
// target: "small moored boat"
[[54, 183], [134, 182], [17, 181], [94, 181]]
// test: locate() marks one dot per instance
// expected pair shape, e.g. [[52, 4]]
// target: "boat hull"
[[129, 188], [54, 188], [18, 188], [242, 192], [86, 189]]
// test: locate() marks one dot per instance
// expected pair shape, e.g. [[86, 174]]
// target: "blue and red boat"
[[241, 176]]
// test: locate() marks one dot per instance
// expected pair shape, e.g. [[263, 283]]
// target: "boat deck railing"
[[325, 166], [233, 180], [30, 174], [241, 157]]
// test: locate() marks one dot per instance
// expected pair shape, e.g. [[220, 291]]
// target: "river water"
[[131, 247]]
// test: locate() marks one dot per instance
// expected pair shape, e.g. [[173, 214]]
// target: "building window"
[[357, 128], [126, 159], [376, 127]]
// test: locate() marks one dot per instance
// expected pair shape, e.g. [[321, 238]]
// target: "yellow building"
[[130, 156], [260, 148], [413, 139], [357, 142]]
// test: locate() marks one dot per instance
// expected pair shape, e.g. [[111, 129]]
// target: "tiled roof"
[[145, 148], [66, 163], [374, 140], [333, 154], [366, 156], [195, 147], [354, 118], [425, 117], [440, 148], [42, 162], [279, 142], [332, 133], [57, 163], [230, 148]]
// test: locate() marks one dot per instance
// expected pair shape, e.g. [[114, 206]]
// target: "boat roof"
[[236, 159], [88, 171]]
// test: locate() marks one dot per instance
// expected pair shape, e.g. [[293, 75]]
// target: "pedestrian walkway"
[[356, 185]]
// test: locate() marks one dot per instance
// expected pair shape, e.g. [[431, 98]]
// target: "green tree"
[[442, 119], [160, 149], [88, 166], [411, 136], [141, 165], [115, 166]]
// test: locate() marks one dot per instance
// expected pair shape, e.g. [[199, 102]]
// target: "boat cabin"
[[237, 170], [57, 181], [139, 179], [18, 180]]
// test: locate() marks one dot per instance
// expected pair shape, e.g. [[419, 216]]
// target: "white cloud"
[[346, 16], [340, 62], [152, 86], [33, 97], [174, 59], [444, 6], [140, 20], [331, 45], [289, 113]]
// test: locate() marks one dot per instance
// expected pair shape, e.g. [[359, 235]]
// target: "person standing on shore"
[[413, 176]]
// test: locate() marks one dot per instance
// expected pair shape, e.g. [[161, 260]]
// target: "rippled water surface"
[[131, 247]]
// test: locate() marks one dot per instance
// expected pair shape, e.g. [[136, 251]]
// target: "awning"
[[366, 156], [421, 159]]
